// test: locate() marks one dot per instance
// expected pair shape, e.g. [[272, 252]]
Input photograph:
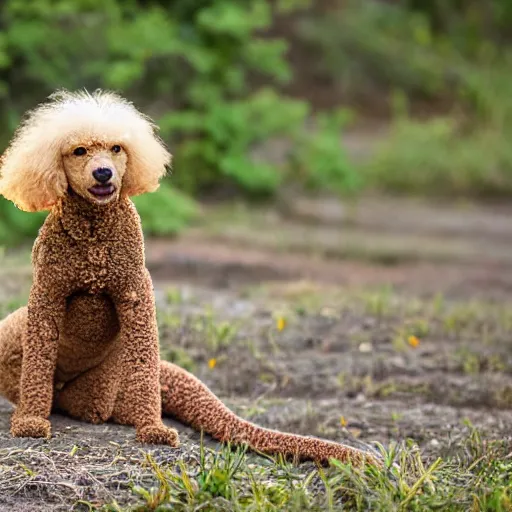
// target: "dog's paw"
[[30, 426], [158, 434]]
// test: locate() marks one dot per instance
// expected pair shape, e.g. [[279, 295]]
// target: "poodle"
[[87, 342]]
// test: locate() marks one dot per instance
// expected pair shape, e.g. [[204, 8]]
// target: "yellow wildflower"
[[343, 422], [281, 323], [413, 341], [212, 363]]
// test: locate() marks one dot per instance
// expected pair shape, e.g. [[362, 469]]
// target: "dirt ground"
[[377, 322]]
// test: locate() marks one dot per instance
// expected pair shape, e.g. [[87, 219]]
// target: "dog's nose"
[[103, 174]]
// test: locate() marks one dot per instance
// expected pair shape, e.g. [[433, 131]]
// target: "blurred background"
[[265, 99]]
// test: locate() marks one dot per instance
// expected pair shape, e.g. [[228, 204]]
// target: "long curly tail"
[[187, 399]]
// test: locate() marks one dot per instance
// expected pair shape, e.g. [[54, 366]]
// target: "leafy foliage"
[[454, 53], [166, 211], [424, 49], [192, 65], [210, 73], [432, 157], [15, 225], [317, 156]]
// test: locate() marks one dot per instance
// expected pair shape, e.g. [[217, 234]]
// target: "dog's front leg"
[[139, 399], [46, 310]]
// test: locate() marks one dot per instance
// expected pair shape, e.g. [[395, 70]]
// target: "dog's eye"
[[79, 151], [116, 148]]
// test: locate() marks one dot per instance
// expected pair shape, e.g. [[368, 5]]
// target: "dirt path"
[[377, 323]]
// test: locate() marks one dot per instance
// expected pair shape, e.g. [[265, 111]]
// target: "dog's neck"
[[85, 221]]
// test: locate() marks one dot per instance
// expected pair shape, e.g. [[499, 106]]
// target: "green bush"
[[194, 66], [316, 158], [426, 49], [197, 66], [164, 212], [16, 225], [433, 157], [220, 140], [376, 47], [451, 52]]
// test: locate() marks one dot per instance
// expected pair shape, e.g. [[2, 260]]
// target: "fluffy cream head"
[[32, 170]]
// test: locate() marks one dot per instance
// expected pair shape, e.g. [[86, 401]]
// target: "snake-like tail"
[[190, 401]]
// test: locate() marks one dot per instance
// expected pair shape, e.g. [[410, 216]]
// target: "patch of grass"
[[174, 296], [168, 319], [217, 334], [398, 316], [203, 329], [409, 333], [297, 298], [378, 303], [479, 319], [473, 362], [503, 397], [392, 387], [478, 477], [355, 384], [178, 356]]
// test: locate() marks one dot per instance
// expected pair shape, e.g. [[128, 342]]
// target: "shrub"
[[194, 66], [164, 212], [424, 49], [450, 51], [433, 157]]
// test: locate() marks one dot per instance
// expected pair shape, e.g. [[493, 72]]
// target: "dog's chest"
[[93, 254], [101, 265], [97, 268]]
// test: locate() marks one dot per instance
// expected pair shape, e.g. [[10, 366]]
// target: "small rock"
[[360, 398]]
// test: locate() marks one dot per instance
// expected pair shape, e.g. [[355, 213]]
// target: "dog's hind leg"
[[12, 330]]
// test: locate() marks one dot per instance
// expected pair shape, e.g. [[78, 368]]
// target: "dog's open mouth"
[[102, 191]]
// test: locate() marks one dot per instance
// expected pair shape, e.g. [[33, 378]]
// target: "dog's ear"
[[31, 170], [148, 161]]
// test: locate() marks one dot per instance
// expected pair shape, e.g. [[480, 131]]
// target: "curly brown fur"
[[87, 343]]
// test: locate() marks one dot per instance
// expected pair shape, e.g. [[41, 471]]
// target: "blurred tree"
[[190, 64], [198, 65]]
